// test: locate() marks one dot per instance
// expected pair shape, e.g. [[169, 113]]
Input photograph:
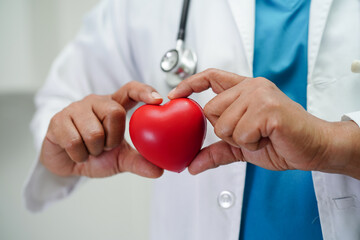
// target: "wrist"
[[342, 153]]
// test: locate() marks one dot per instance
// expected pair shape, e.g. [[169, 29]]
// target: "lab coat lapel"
[[319, 11], [244, 16]]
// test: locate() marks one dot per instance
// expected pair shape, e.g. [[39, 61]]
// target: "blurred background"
[[32, 32]]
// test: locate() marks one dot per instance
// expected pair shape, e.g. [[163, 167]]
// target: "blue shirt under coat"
[[281, 205]]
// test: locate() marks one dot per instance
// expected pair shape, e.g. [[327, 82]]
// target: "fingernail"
[[156, 95], [171, 92]]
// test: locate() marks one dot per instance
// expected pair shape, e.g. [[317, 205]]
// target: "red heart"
[[170, 135]]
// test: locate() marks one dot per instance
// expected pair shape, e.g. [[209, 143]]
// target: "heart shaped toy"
[[170, 135]]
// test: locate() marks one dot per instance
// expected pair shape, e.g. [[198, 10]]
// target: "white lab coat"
[[124, 40]]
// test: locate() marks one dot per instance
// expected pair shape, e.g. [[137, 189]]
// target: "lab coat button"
[[226, 199], [355, 66]]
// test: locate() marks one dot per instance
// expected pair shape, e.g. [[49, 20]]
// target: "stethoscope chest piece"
[[178, 63]]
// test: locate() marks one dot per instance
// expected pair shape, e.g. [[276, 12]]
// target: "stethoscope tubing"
[[183, 20]]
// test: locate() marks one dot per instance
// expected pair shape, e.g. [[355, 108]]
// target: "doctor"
[[89, 90]]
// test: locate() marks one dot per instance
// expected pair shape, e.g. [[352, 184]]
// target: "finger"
[[216, 106], [90, 129], [248, 132], [63, 132], [113, 118], [120, 159], [220, 153], [133, 92], [225, 125], [55, 159], [215, 79], [131, 161]]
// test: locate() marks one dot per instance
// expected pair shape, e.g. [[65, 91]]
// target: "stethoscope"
[[179, 63]]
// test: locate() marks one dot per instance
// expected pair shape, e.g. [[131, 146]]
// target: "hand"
[[261, 125], [87, 137]]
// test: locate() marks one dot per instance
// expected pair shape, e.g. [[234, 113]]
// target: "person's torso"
[[221, 34]]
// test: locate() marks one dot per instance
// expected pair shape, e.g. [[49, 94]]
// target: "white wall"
[[32, 32], [15, 45]]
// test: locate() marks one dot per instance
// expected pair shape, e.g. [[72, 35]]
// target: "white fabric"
[[124, 40]]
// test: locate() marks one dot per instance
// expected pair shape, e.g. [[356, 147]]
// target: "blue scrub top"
[[281, 205]]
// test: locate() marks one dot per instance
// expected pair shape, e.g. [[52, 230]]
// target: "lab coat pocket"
[[346, 202]]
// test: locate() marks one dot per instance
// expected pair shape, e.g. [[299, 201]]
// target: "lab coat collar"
[[319, 11], [244, 16]]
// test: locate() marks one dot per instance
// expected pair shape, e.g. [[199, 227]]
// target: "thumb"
[[129, 160], [217, 154]]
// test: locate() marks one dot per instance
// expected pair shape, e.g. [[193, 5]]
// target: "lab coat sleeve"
[[97, 61], [354, 116]]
